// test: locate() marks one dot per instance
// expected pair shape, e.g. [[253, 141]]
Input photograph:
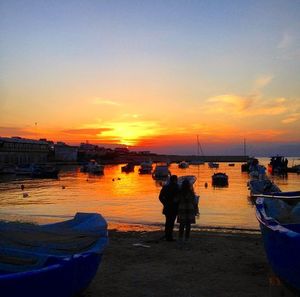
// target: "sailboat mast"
[[244, 147]]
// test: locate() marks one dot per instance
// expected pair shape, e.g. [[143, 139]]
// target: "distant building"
[[17, 150], [121, 150], [64, 152], [91, 150]]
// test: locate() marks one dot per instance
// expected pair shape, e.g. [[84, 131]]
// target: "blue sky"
[[230, 64]]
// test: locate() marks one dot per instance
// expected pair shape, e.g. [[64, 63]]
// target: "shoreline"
[[140, 263], [148, 227]]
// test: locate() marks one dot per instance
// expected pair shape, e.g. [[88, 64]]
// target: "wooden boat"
[[278, 165], [280, 228], [220, 179], [44, 171], [93, 167], [57, 259], [191, 178], [264, 186], [161, 172], [146, 167], [213, 165], [128, 168], [183, 164], [249, 165]]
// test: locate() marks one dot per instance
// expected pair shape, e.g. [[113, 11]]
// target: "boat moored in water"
[[220, 179], [128, 167], [161, 171], [93, 167], [146, 167], [213, 165], [183, 164], [264, 186]]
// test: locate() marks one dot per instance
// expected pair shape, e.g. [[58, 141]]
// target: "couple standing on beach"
[[178, 202]]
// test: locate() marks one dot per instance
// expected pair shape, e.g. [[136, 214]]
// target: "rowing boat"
[[279, 219], [57, 259]]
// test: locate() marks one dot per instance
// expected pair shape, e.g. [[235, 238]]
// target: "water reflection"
[[131, 197]]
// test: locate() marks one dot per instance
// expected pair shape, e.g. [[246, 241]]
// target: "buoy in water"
[[205, 185], [63, 187], [25, 195], [22, 187]]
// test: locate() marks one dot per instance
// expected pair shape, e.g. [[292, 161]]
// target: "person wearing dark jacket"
[[167, 197]]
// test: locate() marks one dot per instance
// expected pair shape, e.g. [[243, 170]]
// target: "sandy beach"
[[215, 263]]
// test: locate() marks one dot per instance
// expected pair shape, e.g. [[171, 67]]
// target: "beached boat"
[[161, 171], [219, 179], [183, 164], [57, 259], [93, 167], [280, 227]]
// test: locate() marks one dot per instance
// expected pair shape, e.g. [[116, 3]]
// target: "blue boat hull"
[[56, 271], [282, 246]]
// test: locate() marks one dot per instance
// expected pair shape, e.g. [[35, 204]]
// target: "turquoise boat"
[[58, 259], [279, 218]]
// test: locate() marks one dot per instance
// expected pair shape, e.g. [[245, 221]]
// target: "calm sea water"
[[131, 198]]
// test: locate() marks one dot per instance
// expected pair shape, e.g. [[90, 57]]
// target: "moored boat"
[[183, 164], [264, 186], [161, 171], [93, 167], [278, 165], [220, 179], [146, 167], [213, 165], [280, 227], [51, 260], [128, 168]]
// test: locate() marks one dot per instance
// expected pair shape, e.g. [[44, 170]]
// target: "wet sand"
[[214, 263]]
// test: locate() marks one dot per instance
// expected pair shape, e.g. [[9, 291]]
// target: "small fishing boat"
[[278, 165], [146, 167], [183, 164], [93, 167], [264, 186], [213, 165], [220, 179], [249, 165], [161, 171], [57, 259], [128, 168], [279, 219], [44, 171], [191, 178], [24, 169]]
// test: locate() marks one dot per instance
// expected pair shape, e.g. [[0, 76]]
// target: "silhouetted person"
[[187, 210], [167, 197]]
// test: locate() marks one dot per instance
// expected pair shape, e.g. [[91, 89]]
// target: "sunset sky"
[[153, 74]]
